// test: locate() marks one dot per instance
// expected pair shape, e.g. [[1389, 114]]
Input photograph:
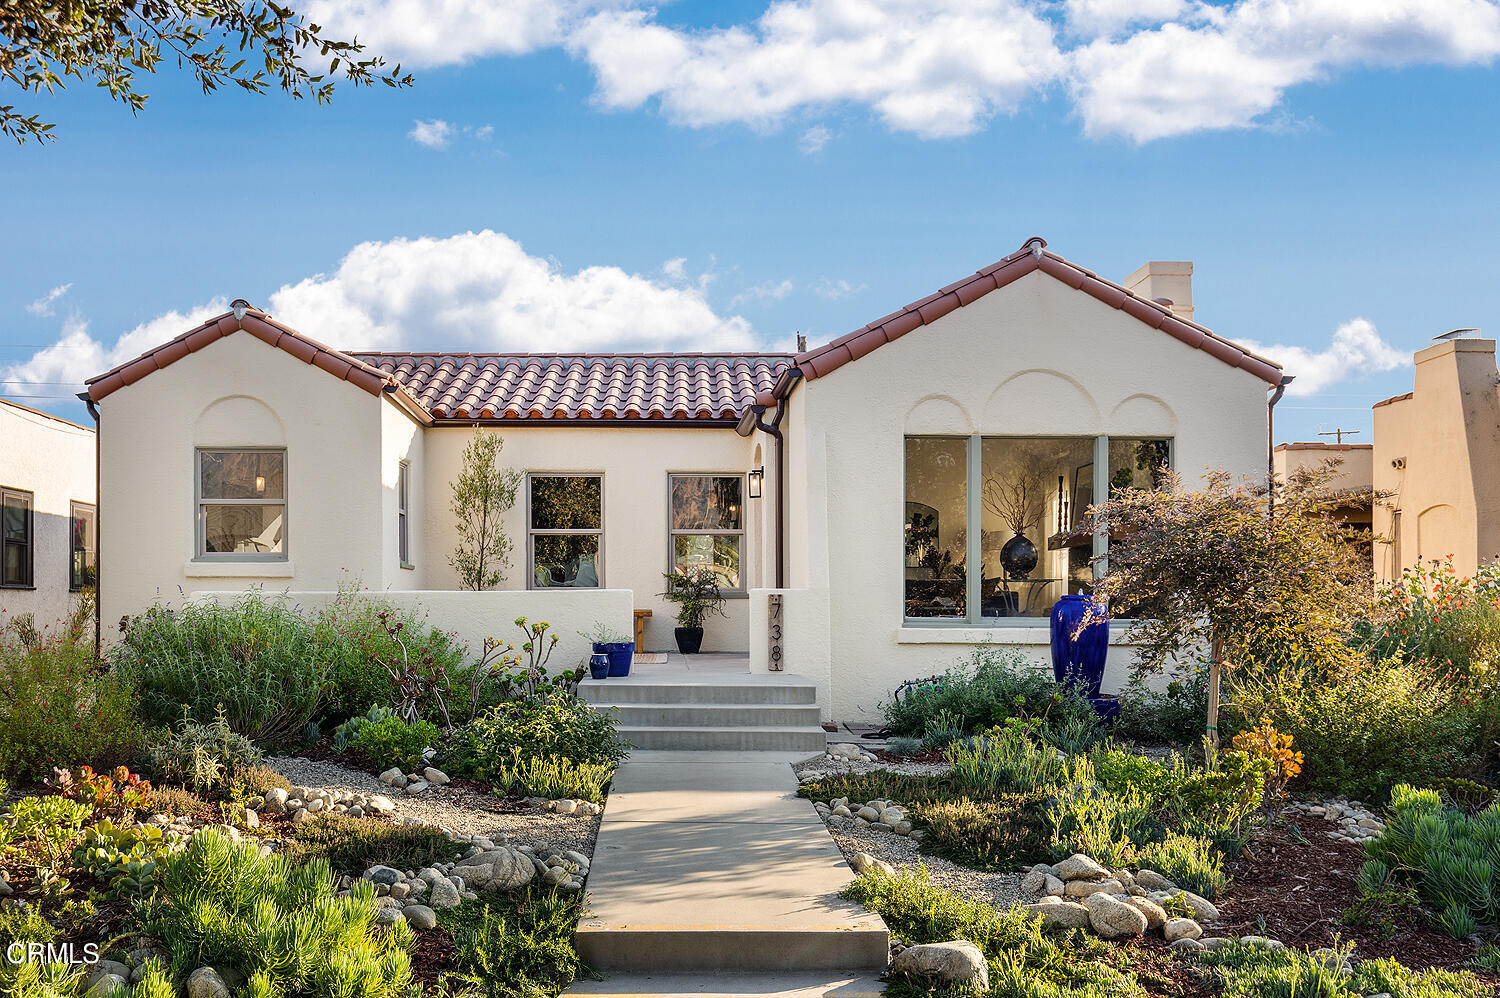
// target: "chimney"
[[1167, 282]]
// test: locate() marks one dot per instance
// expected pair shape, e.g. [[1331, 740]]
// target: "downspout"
[[754, 419], [1279, 391], [88, 400]]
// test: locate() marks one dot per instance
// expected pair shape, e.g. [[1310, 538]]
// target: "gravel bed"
[[820, 766], [458, 812], [998, 889]]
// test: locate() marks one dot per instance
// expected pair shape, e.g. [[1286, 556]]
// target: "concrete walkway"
[[708, 861]]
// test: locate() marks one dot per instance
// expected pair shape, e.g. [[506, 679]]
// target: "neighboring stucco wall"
[[473, 616], [1438, 455], [1354, 470], [402, 439], [635, 463], [1033, 358], [54, 460], [238, 392]]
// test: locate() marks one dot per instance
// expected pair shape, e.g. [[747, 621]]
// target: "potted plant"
[[619, 648], [696, 593]]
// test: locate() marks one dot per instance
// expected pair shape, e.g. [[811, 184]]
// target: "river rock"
[[1079, 867], [420, 917], [1068, 914], [1113, 918], [1153, 881], [957, 962], [501, 869], [1181, 928], [1156, 916], [1083, 888], [205, 982]]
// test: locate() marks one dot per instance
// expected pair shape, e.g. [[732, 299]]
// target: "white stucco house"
[[858, 481], [47, 514]]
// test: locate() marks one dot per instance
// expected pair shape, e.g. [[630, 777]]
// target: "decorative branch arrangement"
[[1016, 498]]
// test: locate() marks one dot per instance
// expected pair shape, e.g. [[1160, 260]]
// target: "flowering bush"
[[1433, 616], [1281, 762]]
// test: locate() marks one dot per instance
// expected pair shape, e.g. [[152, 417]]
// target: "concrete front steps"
[[712, 712], [732, 985]]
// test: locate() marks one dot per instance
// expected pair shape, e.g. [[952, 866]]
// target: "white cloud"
[[1093, 18], [476, 291], [1357, 349], [424, 33], [833, 290], [766, 291], [675, 268], [44, 304], [933, 67], [434, 134], [814, 140], [1226, 66]]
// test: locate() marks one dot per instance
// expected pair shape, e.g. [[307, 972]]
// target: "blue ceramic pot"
[[621, 654], [599, 665], [1078, 661]]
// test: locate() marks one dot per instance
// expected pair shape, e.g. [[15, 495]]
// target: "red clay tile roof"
[[256, 323], [538, 386], [1393, 398], [852, 346]]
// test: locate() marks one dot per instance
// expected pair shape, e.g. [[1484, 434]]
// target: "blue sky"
[[724, 175]]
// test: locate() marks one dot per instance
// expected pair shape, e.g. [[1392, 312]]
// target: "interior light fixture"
[[757, 482], [260, 483]]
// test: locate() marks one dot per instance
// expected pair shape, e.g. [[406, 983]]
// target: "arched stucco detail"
[[1041, 403], [1143, 416], [239, 421], [1437, 525], [937, 414]]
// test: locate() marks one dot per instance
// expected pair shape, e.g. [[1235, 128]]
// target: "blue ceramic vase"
[[599, 665], [1079, 661]]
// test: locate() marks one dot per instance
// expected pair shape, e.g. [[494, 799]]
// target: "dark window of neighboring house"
[[83, 549], [403, 510], [16, 535]]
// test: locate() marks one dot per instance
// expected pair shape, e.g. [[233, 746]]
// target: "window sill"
[[238, 570], [408, 566], [16, 587], [1012, 634]]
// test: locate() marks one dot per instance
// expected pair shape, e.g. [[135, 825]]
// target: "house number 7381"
[[773, 625]]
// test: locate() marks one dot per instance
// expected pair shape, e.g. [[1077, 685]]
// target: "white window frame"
[[200, 514], [8, 495], [403, 514], [743, 588], [973, 555], [532, 533]]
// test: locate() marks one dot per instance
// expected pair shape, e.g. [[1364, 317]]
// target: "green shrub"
[[253, 656], [985, 834], [353, 845], [1383, 910], [223, 904], [1176, 714], [555, 777], [1211, 802], [1188, 861], [50, 825], [256, 781], [1023, 960], [176, 802], [554, 723], [345, 733], [1008, 760], [1107, 827], [61, 708], [1261, 972], [1364, 729], [1454, 857], [982, 691], [517, 945], [1433, 616], [393, 742], [203, 757]]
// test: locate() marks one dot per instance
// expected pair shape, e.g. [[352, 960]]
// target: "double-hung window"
[[403, 514], [242, 504], [1015, 508], [17, 525], [565, 530], [83, 545], [707, 527]]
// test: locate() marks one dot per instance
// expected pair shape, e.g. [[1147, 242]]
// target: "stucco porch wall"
[[804, 638], [1035, 358], [473, 616]]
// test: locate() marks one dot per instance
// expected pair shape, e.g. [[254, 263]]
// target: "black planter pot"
[[1018, 556], [689, 639]]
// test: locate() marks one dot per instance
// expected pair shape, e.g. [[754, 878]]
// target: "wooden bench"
[[640, 629]]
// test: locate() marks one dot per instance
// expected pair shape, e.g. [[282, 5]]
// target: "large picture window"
[[16, 538], [707, 529], [565, 530], [83, 545], [1027, 497], [242, 504]]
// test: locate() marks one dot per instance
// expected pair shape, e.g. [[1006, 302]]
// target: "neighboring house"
[[48, 527], [860, 481], [1437, 461], [1351, 481]]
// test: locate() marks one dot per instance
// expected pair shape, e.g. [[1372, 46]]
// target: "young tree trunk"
[[1216, 655]]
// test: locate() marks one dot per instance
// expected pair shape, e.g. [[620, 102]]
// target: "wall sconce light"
[[260, 483], [757, 482]]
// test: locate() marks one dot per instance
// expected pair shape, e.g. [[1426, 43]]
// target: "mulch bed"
[[433, 955], [1301, 890]]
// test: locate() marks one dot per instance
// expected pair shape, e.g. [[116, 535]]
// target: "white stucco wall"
[[635, 463], [240, 392], [402, 439], [473, 616], [54, 460], [1033, 358]]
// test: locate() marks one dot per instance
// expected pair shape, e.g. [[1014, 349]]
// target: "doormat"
[[650, 658]]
